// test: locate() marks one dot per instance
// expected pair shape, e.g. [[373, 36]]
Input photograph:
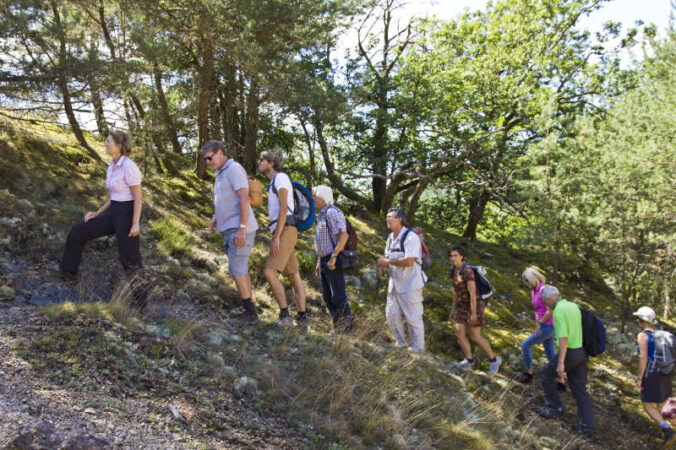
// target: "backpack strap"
[[273, 188], [328, 225]]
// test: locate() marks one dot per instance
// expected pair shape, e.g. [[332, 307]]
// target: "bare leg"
[[654, 410], [482, 342], [277, 287], [298, 291], [243, 283], [463, 342]]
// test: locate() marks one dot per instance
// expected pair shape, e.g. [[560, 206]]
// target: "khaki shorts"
[[285, 261]]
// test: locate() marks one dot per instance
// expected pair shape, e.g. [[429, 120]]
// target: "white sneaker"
[[495, 366], [464, 364]]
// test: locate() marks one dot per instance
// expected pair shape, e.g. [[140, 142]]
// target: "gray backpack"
[[665, 350]]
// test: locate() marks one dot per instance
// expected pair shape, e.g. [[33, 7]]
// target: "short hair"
[[122, 139], [274, 157], [532, 273], [549, 291], [212, 146], [399, 213], [457, 248], [324, 192]]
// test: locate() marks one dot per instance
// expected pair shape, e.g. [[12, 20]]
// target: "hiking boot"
[[284, 321], [524, 377], [495, 366], [669, 438], [245, 318], [548, 412], [586, 432], [65, 276], [302, 321], [464, 364]]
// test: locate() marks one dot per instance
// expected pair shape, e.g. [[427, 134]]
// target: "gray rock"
[[38, 300], [246, 385], [38, 436], [85, 442], [7, 293], [353, 280], [215, 339], [370, 278]]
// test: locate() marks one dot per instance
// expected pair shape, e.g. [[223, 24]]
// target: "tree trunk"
[[379, 164], [228, 97], [164, 111], [63, 86], [206, 85], [251, 126], [476, 213], [101, 124], [312, 173], [413, 206]]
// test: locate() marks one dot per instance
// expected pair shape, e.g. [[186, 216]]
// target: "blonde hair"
[[324, 192], [122, 139], [531, 274]]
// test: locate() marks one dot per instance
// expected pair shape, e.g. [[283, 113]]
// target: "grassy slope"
[[355, 391]]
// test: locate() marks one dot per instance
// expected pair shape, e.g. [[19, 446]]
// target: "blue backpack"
[[303, 215]]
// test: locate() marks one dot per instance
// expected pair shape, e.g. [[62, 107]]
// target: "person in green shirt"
[[570, 362]]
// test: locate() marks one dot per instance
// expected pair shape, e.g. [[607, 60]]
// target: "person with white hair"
[[544, 325], [330, 239], [655, 387], [571, 362]]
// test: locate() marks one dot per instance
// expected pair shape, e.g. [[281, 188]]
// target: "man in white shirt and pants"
[[404, 293]]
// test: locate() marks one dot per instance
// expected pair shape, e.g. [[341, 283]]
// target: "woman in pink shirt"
[[119, 215], [544, 325]]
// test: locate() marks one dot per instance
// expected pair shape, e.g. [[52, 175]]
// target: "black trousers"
[[333, 292], [117, 220], [575, 366]]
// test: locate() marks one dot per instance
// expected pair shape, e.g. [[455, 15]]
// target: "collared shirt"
[[120, 177], [330, 219], [568, 323], [405, 279], [539, 306], [280, 180], [229, 179]]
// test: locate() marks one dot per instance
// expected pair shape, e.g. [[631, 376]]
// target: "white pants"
[[408, 304]]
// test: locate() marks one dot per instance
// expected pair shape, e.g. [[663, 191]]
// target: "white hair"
[[549, 292], [324, 192], [531, 274]]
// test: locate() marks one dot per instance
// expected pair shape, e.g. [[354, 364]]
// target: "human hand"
[[639, 384], [472, 318], [135, 229], [332, 263], [89, 216], [212, 225], [274, 246], [317, 269], [538, 327], [382, 263], [560, 370], [451, 316], [240, 237]]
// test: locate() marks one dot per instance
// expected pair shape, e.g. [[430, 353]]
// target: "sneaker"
[[669, 438], [495, 366], [524, 377], [464, 364], [548, 412], [585, 431], [245, 318], [284, 321]]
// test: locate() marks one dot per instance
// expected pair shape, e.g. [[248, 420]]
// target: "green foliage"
[[172, 236]]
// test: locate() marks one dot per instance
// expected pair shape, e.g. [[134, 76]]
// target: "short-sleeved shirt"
[[405, 279], [120, 177], [330, 219], [280, 180], [539, 306], [229, 179], [568, 323]]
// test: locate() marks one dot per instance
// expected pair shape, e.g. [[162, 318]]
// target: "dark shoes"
[[548, 412], [65, 276], [302, 321], [585, 431], [245, 318], [524, 377], [561, 386], [669, 438]]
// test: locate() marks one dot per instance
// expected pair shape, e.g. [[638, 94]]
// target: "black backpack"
[[482, 284], [593, 333]]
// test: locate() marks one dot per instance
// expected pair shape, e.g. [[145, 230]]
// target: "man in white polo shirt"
[[404, 293], [234, 219]]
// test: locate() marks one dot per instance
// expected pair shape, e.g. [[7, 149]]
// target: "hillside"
[[79, 366]]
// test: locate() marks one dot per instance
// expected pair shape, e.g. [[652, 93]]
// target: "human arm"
[[138, 204], [282, 197], [561, 366], [539, 323], [212, 224], [471, 287], [642, 358], [342, 240], [453, 305], [240, 237], [92, 215]]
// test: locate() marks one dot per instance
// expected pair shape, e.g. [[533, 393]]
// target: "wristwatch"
[[242, 225], [333, 255]]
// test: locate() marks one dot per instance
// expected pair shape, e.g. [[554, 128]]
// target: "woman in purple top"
[[544, 325]]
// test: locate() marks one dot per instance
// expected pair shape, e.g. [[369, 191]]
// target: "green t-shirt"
[[568, 323]]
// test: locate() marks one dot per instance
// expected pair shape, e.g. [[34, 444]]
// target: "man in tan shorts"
[[282, 257]]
